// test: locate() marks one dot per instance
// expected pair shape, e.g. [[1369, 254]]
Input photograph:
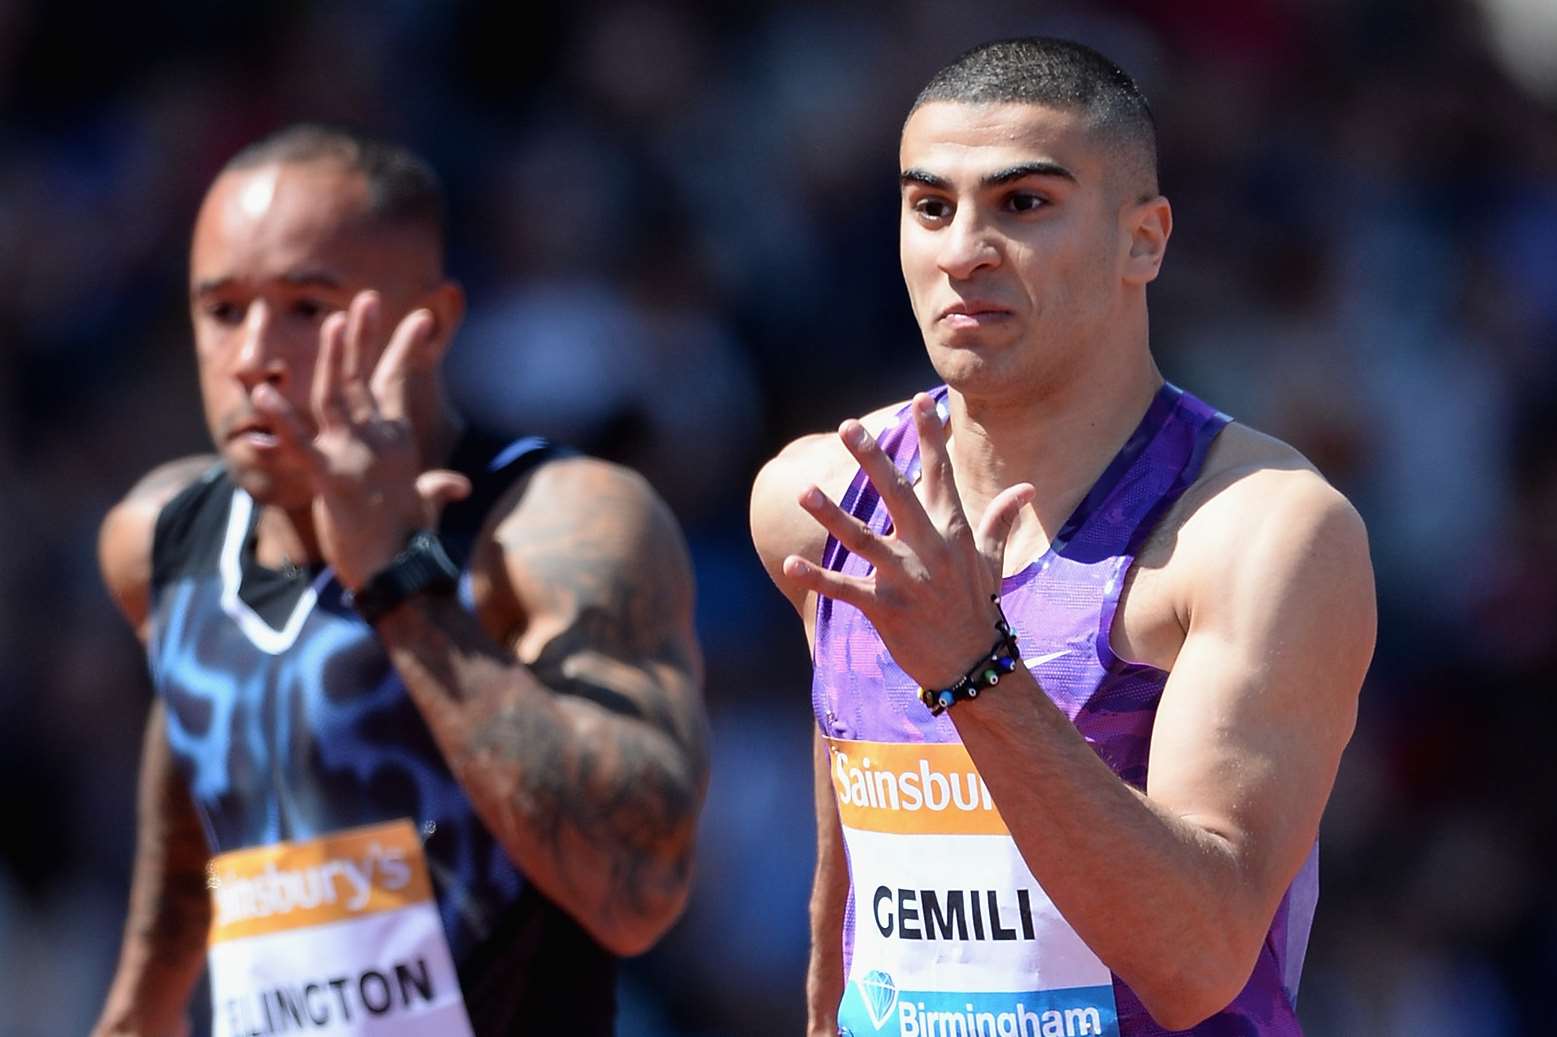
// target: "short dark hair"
[[403, 188], [1055, 73]]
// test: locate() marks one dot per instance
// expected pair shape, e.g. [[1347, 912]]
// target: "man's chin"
[[285, 490], [958, 364]]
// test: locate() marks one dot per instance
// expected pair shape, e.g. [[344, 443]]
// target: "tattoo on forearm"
[[177, 909], [170, 907], [626, 797], [612, 762]]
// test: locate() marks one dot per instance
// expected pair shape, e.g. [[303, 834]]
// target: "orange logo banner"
[[911, 789], [350, 874]]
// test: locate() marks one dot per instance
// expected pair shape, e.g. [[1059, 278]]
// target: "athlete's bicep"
[[779, 527], [1262, 698], [596, 564]]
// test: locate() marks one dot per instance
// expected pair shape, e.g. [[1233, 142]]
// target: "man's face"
[[276, 249], [1012, 240]]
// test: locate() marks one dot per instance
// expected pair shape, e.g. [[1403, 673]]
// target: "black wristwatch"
[[422, 568]]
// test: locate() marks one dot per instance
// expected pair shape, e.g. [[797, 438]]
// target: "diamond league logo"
[[879, 993]]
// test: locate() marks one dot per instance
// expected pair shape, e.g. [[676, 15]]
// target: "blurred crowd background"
[[677, 225]]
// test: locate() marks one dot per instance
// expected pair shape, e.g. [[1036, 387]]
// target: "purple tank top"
[[1062, 606]]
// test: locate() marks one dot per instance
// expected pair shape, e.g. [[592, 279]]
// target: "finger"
[[939, 486], [363, 319], [851, 590], [287, 423], [909, 520], [848, 530], [995, 526], [329, 406], [438, 489], [392, 377]]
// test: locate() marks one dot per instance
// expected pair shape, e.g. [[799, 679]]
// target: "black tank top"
[[288, 721]]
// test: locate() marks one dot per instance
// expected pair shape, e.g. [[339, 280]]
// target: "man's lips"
[[255, 433], [973, 314]]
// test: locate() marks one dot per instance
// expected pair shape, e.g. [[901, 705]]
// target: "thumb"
[[995, 525], [438, 489]]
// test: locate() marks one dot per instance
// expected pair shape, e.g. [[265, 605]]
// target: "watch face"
[[432, 549], [426, 565]]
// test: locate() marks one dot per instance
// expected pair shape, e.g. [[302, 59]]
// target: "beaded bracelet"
[[986, 673]]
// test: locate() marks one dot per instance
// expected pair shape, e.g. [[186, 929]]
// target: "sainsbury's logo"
[[328, 879], [920, 789], [346, 882], [911, 788]]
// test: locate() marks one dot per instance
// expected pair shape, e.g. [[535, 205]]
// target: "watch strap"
[[422, 567]]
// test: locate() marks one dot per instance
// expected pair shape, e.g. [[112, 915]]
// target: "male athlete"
[[1086, 654], [428, 744]]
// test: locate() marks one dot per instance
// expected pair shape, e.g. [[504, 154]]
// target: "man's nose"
[[259, 356], [968, 246]]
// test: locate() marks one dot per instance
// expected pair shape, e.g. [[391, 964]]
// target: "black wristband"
[[423, 567], [1000, 660]]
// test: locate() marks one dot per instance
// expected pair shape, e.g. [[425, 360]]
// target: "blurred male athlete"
[[428, 719], [1115, 834]]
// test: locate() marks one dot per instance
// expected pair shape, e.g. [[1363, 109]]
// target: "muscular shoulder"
[[581, 535], [1261, 520], [779, 526], [124, 541], [1252, 486]]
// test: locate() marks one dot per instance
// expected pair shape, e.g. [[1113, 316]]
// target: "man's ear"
[[1147, 226], [446, 303]]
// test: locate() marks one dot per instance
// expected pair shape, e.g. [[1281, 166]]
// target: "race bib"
[[952, 934], [336, 935]]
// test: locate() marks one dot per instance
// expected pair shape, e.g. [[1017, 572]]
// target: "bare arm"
[[162, 953], [164, 941], [589, 763], [779, 529], [829, 899], [1259, 705]]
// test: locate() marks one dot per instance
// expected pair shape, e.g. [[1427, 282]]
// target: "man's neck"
[[285, 539], [1059, 439]]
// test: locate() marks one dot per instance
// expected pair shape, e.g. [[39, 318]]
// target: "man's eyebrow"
[[919, 176], [1027, 169], [310, 279], [995, 179], [296, 279]]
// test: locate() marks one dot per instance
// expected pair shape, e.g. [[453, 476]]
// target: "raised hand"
[[362, 454], [933, 576]]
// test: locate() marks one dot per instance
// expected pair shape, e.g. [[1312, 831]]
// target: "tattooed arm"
[[164, 943], [569, 706], [165, 932]]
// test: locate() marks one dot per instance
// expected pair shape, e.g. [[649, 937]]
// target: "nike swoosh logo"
[[1039, 660]]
